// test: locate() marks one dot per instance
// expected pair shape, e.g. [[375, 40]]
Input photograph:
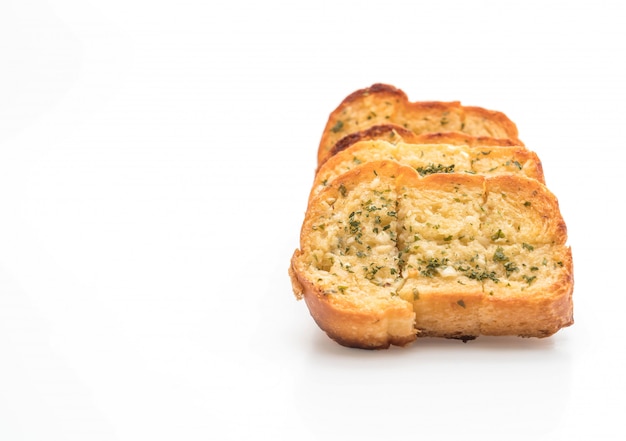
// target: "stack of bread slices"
[[429, 219]]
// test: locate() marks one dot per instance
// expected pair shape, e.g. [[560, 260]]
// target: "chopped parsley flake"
[[499, 256], [497, 235], [337, 127], [342, 189], [432, 168], [432, 265]]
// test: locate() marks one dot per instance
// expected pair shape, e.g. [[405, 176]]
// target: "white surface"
[[155, 159]]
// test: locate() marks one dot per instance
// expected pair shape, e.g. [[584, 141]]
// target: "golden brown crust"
[[542, 221], [513, 313], [376, 88], [384, 104], [365, 329], [388, 132], [394, 133], [458, 138], [433, 158], [492, 123]]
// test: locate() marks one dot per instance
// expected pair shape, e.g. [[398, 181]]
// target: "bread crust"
[[385, 104], [421, 307], [349, 326], [544, 316], [460, 158], [395, 133]]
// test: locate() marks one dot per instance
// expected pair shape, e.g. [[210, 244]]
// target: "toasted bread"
[[394, 134], [385, 104], [386, 256], [433, 158]]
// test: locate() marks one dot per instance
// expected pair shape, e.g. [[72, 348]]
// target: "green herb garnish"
[[497, 235], [431, 266], [337, 127], [499, 256], [342, 189], [432, 169]]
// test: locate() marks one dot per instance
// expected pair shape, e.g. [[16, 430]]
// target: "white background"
[[155, 160]]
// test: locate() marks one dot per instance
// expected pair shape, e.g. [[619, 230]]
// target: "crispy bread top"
[[385, 104], [433, 158], [394, 133]]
